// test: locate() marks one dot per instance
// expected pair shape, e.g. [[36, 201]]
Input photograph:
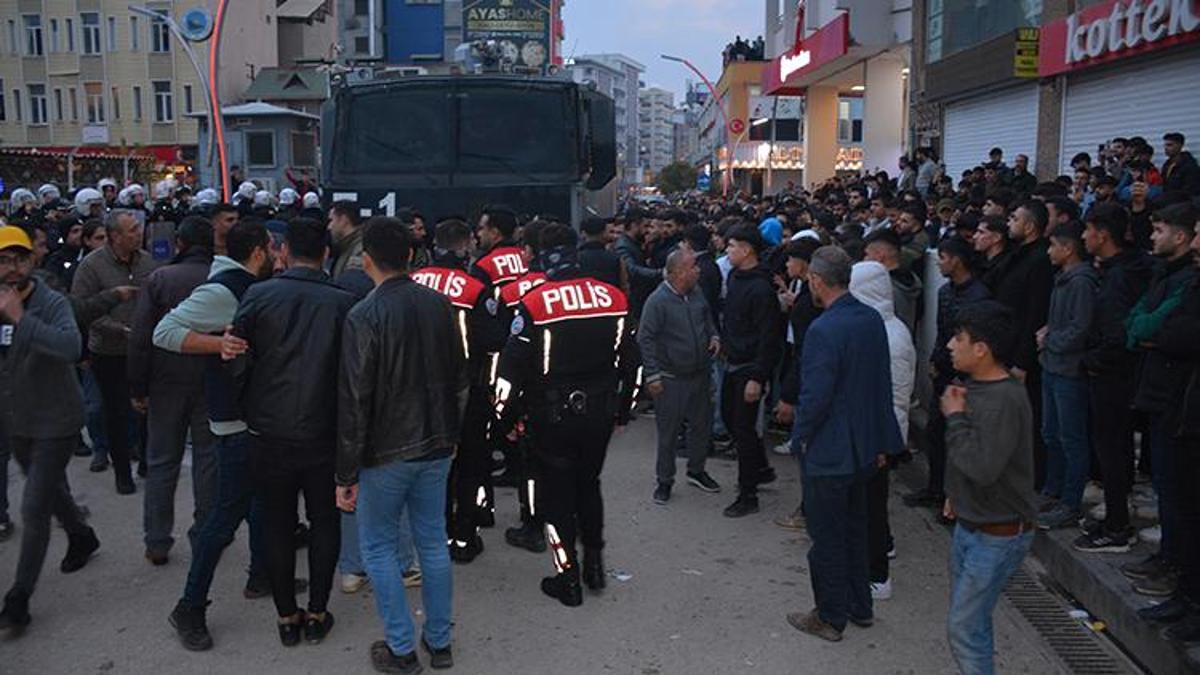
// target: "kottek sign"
[[1116, 29]]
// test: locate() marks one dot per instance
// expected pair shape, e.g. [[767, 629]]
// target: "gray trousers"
[[684, 399], [47, 493], [174, 410]]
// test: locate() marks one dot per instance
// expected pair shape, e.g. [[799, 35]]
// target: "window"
[[70, 30], [260, 148], [55, 45], [116, 104], [304, 149], [112, 33], [955, 25], [164, 105], [137, 104], [187, 98], [94, 94], [33, 36], [12, 36], [362, 7], [37, 104], [850, 120], [17, 103], [134, 34], [160, 35], [73, 96], [362, 45], [91, 32], [58, 105]]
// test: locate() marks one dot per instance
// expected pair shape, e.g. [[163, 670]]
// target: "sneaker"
[[1166, 612], [1143, 569], [316, 629], [1100, 540], [99, 465], [157, 558], [353, 583], [766, 476], [411, 577], [792, 521], [891, 552], [6, 530], [189, 623], [812, 624], [784, 448], [722, 442], [439, 659], [881, 590], [703, 481], [386, 661], [80, 548], [15, 615], [464, 552], [1151, 535], [1093, 493], [1098, 512], [125, 485], [289, 633], [743, 506], [1146, 512], [662, 493], [1059, 516], [1161, 586], [924, 498], [528, 536]]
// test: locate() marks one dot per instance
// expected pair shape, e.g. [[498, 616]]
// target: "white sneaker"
[[1098, 512], [412, 577], [784, 448], [1151, 535], [881, 591], [1093, 493], [353, 583]]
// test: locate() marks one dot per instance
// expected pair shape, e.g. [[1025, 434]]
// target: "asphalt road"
[[701, 594]]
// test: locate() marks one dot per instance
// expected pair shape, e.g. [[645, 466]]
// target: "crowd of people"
[[377, 369]]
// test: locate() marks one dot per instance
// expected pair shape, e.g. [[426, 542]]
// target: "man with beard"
[[195, 327], [42, 413], [346, 232]]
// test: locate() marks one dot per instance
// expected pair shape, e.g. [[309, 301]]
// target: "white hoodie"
[[871, 285]]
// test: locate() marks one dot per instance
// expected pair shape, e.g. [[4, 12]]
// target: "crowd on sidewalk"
[[381, 369]]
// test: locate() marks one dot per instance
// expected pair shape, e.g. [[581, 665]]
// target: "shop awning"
[[299, 9], [806, 63]]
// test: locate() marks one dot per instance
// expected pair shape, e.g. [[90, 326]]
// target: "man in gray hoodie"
[[678, 339], [42, 412], [1062, 343]]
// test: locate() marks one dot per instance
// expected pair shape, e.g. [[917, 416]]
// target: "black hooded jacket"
[[752, 329], [1123, 279]]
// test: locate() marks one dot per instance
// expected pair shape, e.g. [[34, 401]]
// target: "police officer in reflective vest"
[[468, 507], [563, 358], [520, 466]]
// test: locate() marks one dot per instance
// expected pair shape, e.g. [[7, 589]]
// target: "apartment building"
[[656, 128]]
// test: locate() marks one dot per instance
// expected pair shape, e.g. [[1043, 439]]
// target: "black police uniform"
[[563, 358], [467, 500]]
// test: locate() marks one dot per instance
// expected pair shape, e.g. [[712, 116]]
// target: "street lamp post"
[[724, 114]]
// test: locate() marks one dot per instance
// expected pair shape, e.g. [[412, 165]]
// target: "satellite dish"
[[196, 25]]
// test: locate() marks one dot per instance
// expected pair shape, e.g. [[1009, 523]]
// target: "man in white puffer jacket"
[[871, 285]]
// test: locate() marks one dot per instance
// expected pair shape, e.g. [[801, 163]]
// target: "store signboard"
[[1115, 30], [520, 27], [784, 74], [1025, 53]]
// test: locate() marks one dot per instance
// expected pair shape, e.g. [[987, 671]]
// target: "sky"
[[697, 30]]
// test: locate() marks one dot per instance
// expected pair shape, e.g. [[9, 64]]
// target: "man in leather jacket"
[[402, 390], [563, 357], [285, 346]]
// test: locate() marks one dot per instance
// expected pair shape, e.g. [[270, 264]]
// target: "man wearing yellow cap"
[[41, 410]]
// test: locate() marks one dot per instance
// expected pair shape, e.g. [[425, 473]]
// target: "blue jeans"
[[1162, 468], [980, 567], [384, 494], [1065, 404], [836, 509], [93, 408], [350, 557], [236, 502]]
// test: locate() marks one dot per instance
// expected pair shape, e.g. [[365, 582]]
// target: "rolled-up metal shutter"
[[1146, 98], [1006, 119]]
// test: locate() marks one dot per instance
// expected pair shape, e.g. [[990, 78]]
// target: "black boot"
[[80, 548], [15, 615], [593, 569], [463, 551], [528, 536], [565, 587]]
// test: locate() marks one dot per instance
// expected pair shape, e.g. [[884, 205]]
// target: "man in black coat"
[[169, 389], [752, 336], [1025, 289]]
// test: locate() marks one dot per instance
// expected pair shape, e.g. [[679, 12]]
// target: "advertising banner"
[[520, 27]]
